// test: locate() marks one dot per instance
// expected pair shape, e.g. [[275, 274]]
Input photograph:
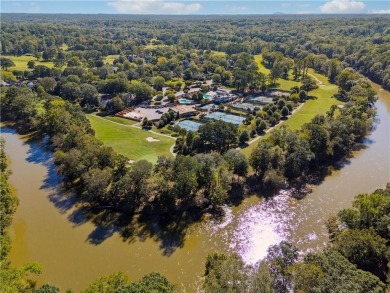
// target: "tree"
[[370, 211], [261, 125], [50, 54], [47, 289], [339, 275], [285, 112], [19, 104], [318, 138], [280, 258], [158, 82], [261, 280], [70, 91], [89, 95], [218, 135], [237, 162], [308, 84], [225, 273], [114, 86], [31, 64], [48, 83], [244, 137], [108, 284], [306, 277], [142, 91], [367, 250], [115, 105], [260, 157], [6, 62], [185, 169], [302, 95]]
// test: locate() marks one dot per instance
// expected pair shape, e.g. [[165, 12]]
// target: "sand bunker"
[[151, 139]]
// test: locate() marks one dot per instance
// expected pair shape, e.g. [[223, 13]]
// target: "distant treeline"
[[361, 42]]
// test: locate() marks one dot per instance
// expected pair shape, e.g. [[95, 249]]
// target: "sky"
[[195, 7]]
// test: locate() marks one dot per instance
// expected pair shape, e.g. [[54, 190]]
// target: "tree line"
[[354, 41]]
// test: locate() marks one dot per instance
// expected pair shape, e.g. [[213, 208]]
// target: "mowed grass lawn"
[[282, 84], [21, 62], [260, 65], [309, 109], [129, 141]]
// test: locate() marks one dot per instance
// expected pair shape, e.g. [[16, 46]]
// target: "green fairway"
[[286, 85], [259, 63], [282, 84], [311, 107], [129, 141], [21, 62]]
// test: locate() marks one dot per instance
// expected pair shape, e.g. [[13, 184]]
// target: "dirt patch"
[[151, 139]]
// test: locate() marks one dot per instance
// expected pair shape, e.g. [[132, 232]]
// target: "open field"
[[130, 141], [308, 110], [259, 63], [21, 62]]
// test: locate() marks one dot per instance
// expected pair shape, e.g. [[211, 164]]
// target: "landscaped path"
[[320, 83], [271, 128]]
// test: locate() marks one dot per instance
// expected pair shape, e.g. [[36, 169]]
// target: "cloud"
[[285, 5], [154, 7], [303, 5], [381, 11], [342, 6], [236, 8]]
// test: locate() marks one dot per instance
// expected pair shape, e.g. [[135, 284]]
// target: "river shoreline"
[[75, 250]]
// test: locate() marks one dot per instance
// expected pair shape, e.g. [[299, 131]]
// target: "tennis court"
[[237, 120], [189, 125]]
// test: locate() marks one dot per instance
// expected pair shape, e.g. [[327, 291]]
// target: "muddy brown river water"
[[74, 252]]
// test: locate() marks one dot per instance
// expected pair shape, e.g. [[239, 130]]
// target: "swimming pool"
[[207, 96], [185, 101]]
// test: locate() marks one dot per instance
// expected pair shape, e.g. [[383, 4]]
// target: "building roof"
[[183, 109]]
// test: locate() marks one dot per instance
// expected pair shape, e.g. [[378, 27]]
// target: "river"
[[48, 229]]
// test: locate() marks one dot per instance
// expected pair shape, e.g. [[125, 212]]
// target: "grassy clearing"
[[282, 84], [64, 47], [259, 63], [129, 141], [110, 59], [21, 62], [218, 53], [311, 108], [286, 85]]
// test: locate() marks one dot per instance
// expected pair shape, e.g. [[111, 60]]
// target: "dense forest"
[[327, 44]]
